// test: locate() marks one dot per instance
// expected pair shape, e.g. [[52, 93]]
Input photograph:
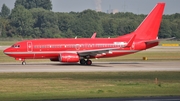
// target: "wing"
[[96, 51], [104, 50]]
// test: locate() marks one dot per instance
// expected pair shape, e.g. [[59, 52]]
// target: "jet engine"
[[68, 57], [54, 59]]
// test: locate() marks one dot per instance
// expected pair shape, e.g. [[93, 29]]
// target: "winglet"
[[93, 36], [129, 44]]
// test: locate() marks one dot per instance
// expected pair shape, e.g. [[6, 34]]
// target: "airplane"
[[81, 50]]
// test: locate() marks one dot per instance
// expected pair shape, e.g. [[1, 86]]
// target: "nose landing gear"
[[23, 62]]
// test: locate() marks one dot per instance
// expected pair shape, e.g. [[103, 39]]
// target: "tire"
[[88, 62], [23, 63], [82, 62]]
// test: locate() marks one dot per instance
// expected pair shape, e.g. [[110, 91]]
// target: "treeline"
[[34, 19]]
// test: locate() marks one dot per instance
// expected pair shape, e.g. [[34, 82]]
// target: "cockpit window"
[[15, 46]]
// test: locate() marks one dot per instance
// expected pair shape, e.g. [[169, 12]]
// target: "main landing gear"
[[85, 62]]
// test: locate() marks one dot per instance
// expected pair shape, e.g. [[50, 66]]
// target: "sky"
[[135, 6]]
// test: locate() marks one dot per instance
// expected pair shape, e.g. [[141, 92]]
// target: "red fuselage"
[[51, 48]]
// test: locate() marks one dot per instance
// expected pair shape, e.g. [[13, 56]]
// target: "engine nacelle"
[[68, 57], [54, 59]]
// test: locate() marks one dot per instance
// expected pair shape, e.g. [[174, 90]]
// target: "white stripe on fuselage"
[[58, 52]]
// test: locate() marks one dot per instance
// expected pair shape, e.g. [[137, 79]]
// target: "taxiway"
[[96, 67]]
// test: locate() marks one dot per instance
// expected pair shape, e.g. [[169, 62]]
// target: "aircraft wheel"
[[82, 62], [23, 63], [88, 62]]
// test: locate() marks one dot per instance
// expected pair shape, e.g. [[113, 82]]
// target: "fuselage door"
[[29, 46]]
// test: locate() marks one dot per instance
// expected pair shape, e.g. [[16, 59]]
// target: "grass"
[[48, 86], [169, 42], [7, 43]]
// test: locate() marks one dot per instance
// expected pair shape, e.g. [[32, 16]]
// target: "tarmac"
[[139, 66]]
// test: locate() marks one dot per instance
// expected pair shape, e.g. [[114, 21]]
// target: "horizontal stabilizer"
[[151, 41], [157, 40]]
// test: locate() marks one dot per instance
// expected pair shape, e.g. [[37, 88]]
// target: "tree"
[[33, 18], [65, 23], [46, 23], [3, 26], [5, 11], [109, 27], [86, 23], [29, 4], [165, 31], [22, 20]]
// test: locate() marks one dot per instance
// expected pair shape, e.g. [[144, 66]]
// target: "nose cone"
[[7, 51]]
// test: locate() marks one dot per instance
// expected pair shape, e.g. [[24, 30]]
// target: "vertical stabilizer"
[[149, 28]]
